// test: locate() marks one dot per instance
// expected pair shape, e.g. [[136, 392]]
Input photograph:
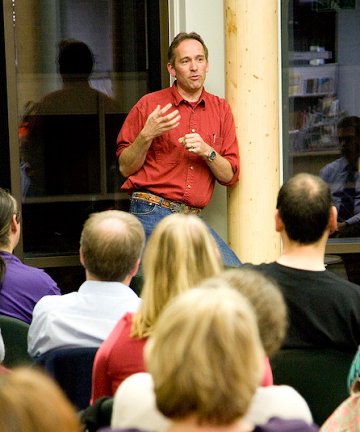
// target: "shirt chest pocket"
[[215, 142], [166, 150]]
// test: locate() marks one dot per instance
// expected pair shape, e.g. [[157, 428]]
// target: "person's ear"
[[279, 224], [134, 271], [14, 226], [332, 225], [171, 70], [81, 257]]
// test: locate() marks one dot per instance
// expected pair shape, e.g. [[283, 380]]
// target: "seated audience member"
[[345, 418], [324, 309], [21, 286], [178, 255], [207, 379], [269, 306], [31, 402], [271, 314], [111, 244], [134, 401]]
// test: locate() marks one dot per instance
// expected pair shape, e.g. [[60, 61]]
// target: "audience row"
[[156, 352]]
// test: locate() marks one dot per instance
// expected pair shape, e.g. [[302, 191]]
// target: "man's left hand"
[[195, 144]]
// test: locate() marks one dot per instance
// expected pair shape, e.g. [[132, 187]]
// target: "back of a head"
[[180, 252], [30, 401], [111, 243], [8, 207], [205, 356], [304, 204], [350, 122], [75, 59], [267, 301]]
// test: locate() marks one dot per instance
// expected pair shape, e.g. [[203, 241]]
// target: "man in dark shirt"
[[323, 308]]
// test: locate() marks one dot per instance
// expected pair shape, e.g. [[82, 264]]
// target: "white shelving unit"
[[305, 81]]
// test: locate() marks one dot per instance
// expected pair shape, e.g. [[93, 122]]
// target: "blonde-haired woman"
[[216, 364], [179, 254], [30, 401]]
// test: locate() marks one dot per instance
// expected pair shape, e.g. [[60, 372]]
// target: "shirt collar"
[[178, 99], [103, 288]]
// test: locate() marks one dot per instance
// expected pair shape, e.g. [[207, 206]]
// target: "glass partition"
[[79, 67], [321, 134]]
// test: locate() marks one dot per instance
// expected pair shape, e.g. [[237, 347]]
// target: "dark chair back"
[[72, 369], [319, 375], [98, 414], [14, 333]]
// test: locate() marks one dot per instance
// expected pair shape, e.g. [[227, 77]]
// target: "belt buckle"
[[177, 207]]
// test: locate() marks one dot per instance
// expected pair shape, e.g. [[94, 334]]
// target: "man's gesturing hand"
[[159, 122]]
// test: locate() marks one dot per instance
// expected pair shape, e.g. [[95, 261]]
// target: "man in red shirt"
[[176, 142]]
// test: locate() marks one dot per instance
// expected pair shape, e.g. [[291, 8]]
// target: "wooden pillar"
[[252, 89]]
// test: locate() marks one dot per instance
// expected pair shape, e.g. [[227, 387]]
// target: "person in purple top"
[[21, 286]]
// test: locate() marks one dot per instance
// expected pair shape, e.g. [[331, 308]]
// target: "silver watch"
[[211, 155]]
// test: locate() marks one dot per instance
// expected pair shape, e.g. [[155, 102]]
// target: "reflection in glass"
[[342, 175], [322, 109], [61, 140], [80, 67]]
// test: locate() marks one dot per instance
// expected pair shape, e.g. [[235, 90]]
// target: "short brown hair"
[[180, 38], [304, 203], [205, 356], [111, 243], [268, 303]]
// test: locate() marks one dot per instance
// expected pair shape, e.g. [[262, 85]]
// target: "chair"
[[98, 414], [14, 333], [319, 375], [72, 369]]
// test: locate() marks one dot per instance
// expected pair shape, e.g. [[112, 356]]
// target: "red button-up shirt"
[[169, 170]]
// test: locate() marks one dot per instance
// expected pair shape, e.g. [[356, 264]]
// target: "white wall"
[[206, 17]]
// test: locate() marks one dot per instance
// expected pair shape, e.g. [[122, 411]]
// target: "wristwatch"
[[211, 155]]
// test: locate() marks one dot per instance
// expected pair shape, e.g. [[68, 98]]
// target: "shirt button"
[[192, 130], [191, 167], [189, 186]]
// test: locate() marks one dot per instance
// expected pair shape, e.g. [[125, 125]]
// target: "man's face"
[[350, 145], [190, 67]]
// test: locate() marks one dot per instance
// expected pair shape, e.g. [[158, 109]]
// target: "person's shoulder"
[[33, 274], [215, 99], [262, 267], [156, 96], [279, 400], [284, 394], [277, 424], [53, 302], [110, 429], [332, 167], [342, 284]]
